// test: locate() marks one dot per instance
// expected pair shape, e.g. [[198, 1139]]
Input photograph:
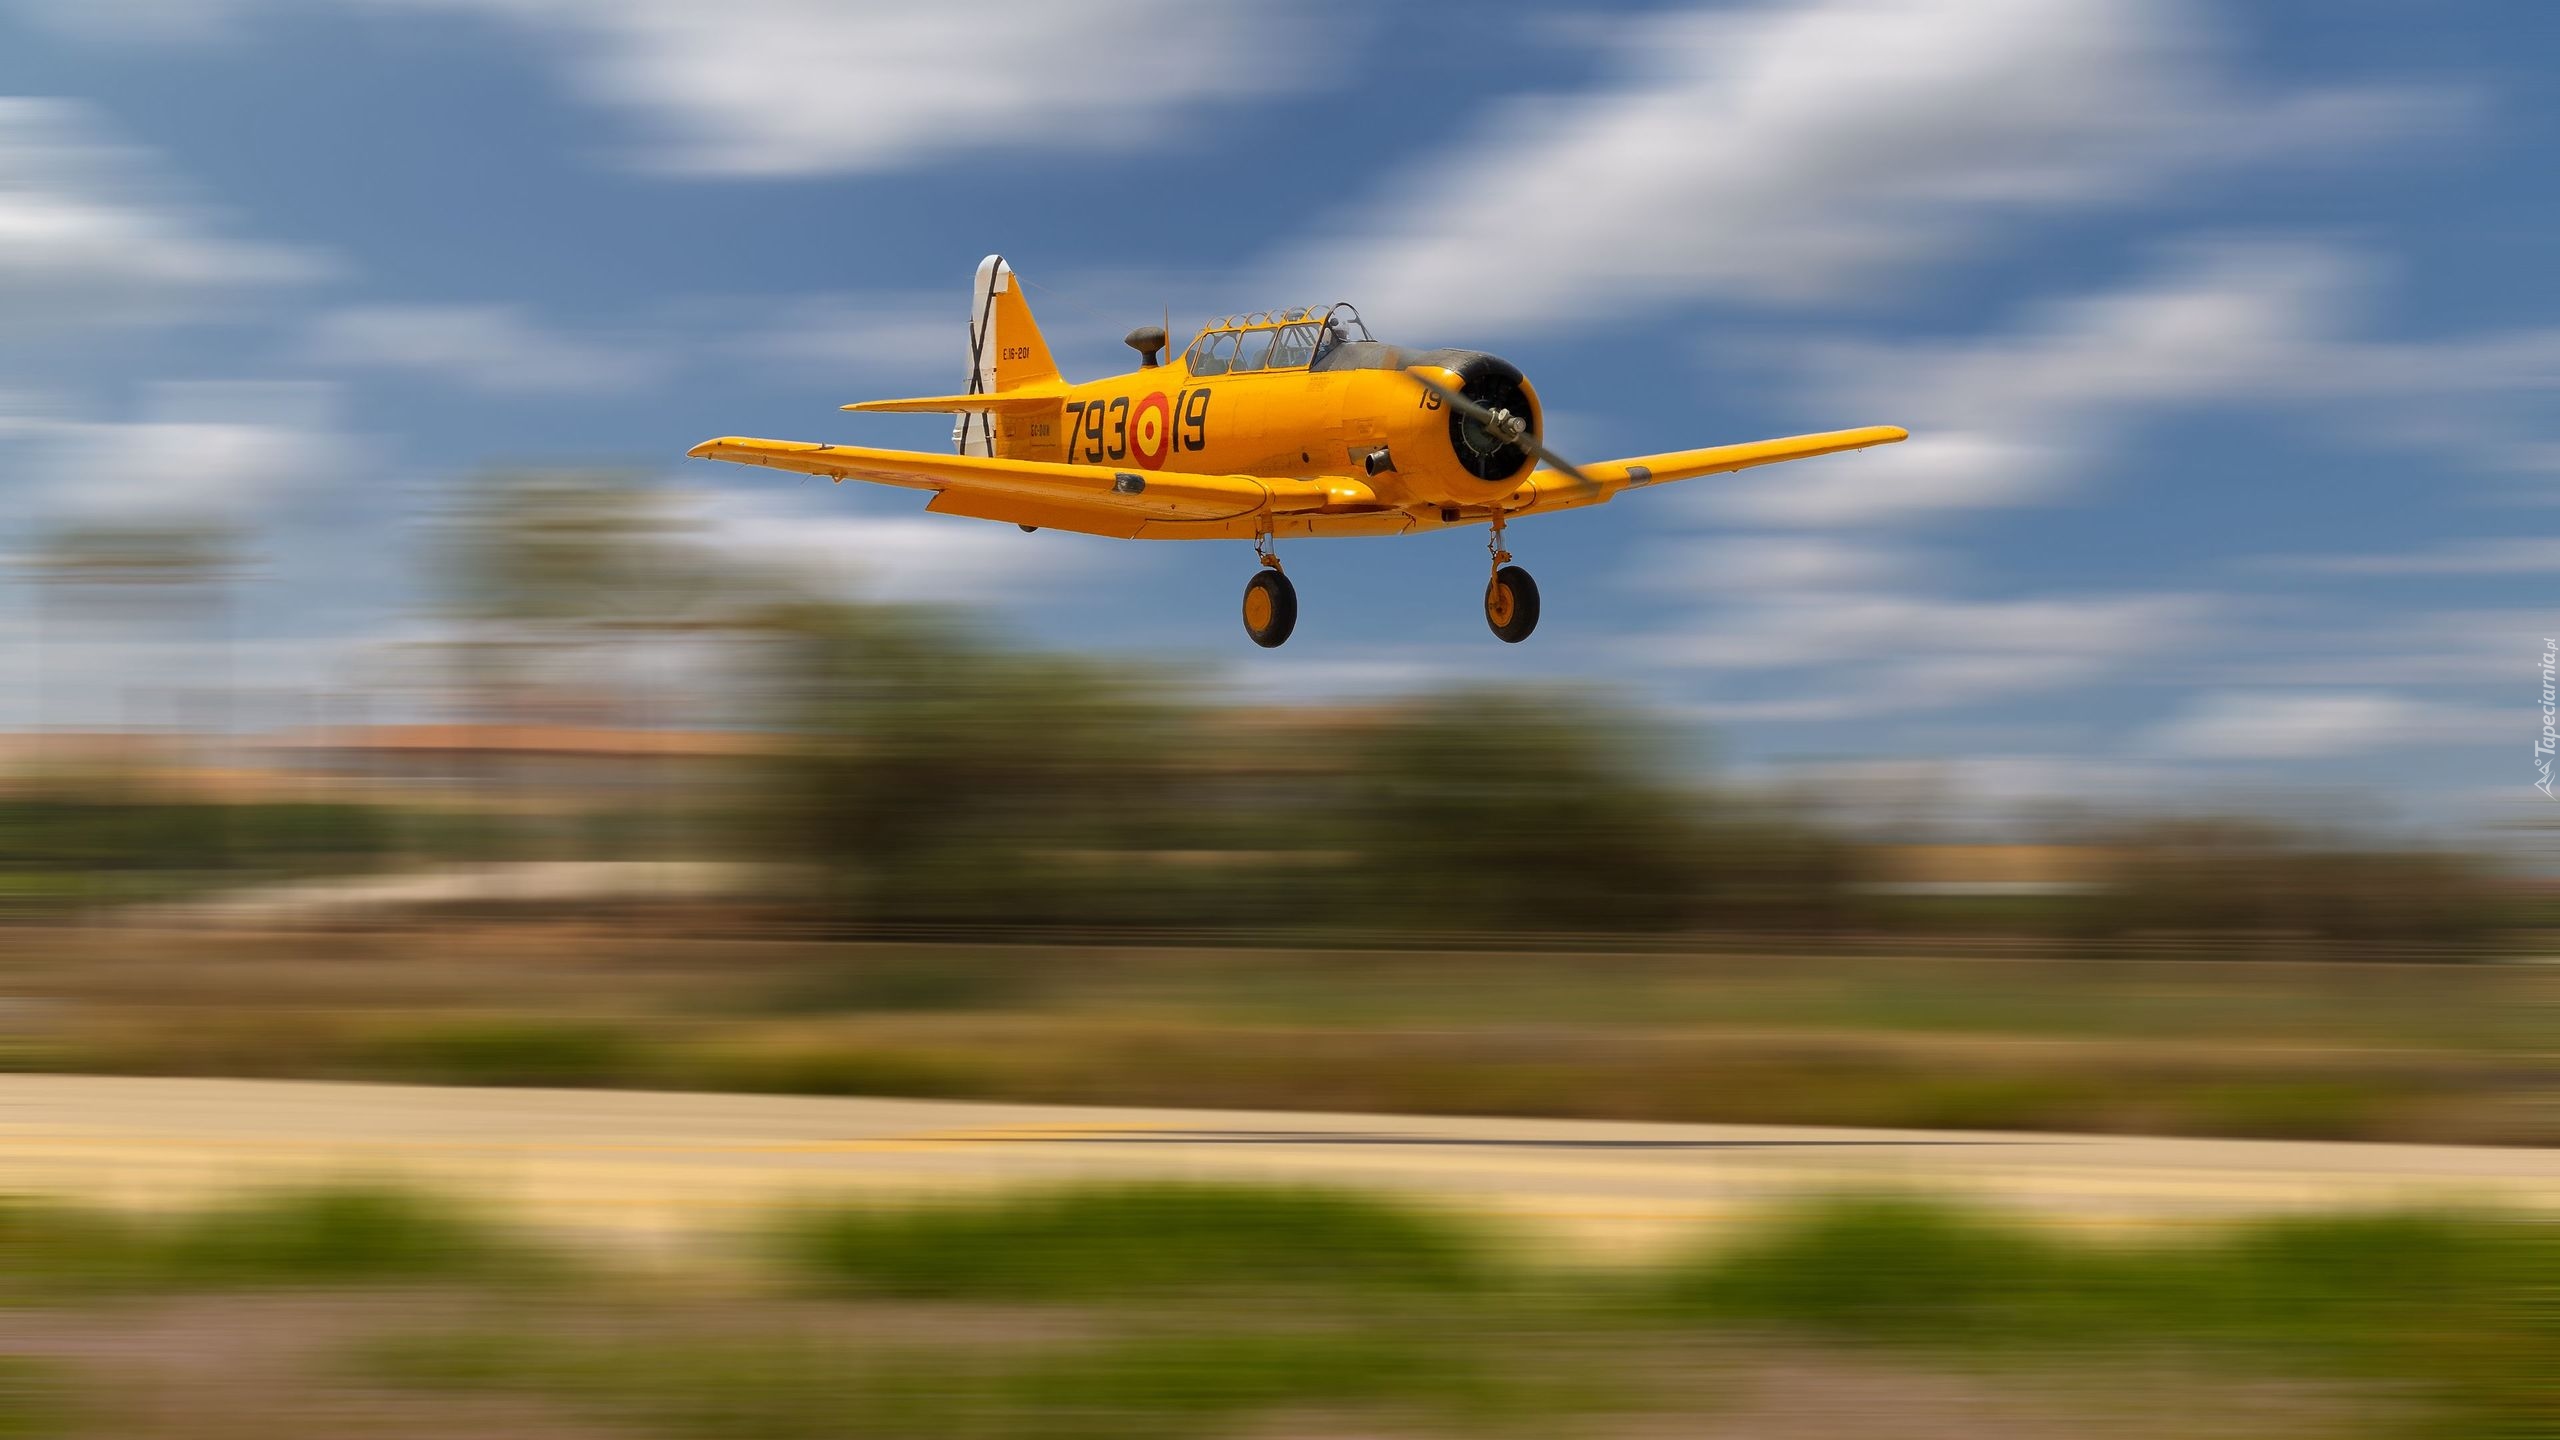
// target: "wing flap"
[[1554, 490], [1154, 494]]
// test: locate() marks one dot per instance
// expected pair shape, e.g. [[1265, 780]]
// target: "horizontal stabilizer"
[[1023, 397]]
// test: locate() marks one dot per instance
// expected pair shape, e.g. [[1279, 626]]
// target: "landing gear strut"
[[1510, 597], [1270, 601]]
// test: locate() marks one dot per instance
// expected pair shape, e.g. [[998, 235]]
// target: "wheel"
[[1270, 608], [1511, 604]]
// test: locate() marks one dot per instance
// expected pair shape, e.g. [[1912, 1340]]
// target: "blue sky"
[[2229, 335]]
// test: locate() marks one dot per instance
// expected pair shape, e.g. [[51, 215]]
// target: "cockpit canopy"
[[1290, 339]]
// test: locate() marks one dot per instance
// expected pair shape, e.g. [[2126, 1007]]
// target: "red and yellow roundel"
[[1151, 430]]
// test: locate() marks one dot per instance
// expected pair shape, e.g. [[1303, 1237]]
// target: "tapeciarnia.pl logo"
[[2542, 748]]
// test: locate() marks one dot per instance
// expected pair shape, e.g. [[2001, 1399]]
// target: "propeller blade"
[[1512, 427]]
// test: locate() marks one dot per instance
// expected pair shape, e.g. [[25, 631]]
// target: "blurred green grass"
[[1185, 1310], [1218, 1304], [1159, 1382], [1794, 1036], [34, 1400]]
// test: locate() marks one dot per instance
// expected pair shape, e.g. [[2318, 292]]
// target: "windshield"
[[1341, 325]]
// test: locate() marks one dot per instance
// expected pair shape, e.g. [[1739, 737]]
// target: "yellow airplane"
[[1281, 423]]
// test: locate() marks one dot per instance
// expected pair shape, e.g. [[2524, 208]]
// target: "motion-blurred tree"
[[142, 575], [2260, 882], [546, 571], [1481, 811], [1484, 811], [935, 779]]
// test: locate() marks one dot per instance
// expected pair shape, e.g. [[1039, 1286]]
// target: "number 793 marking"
[[1098, 430]]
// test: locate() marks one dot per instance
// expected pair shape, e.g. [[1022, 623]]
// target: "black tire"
[[1271, 597], [1511, 604]]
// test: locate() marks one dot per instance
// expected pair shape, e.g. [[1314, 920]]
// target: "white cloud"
[[2280, 725], [1356, 672], [1798, 630], [136, 21], [920, 558], [1822, 655], [798, 87], [493, 348], [2012, 418], [1800, 152], [217, 452], [811, 87], [913, 338], [2514, 555], [1759, 563], [90, 229], [1984, 796], [2004, 419], [1783, 710], [2471, 652]]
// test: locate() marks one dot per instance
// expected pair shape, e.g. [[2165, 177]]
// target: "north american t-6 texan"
[[1270, 425]]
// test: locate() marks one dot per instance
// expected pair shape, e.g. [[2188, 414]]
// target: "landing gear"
[[1511, 604], [1510, 597], [1270, 601]]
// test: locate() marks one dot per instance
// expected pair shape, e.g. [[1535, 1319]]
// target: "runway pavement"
[[664, 1168]]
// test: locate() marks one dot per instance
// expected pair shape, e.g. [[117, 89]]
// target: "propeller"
[[1509, 428]]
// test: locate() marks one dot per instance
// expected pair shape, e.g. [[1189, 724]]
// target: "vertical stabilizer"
[[1006, 349]]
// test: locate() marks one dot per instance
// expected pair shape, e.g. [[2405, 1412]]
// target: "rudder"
[[1006, 350]]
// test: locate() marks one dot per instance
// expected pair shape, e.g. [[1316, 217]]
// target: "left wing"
[[990, 488], [1555, 490]]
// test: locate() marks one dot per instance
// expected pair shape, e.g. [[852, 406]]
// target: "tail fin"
[[1006, 350]]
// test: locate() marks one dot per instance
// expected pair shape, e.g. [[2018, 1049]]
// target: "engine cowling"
[[1495, 384], [1447, 458]]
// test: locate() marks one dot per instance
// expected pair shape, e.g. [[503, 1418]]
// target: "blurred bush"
[[2268, 883], [338, 1236], [115, 840], [2462, 1305], [334, 1236], [515, 1050], [1136, 1240]]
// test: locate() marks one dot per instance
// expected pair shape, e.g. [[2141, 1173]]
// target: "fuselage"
[[1341, 409]]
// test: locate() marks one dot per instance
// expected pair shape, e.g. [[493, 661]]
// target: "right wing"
[[1094, 498], [1555, 490]]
